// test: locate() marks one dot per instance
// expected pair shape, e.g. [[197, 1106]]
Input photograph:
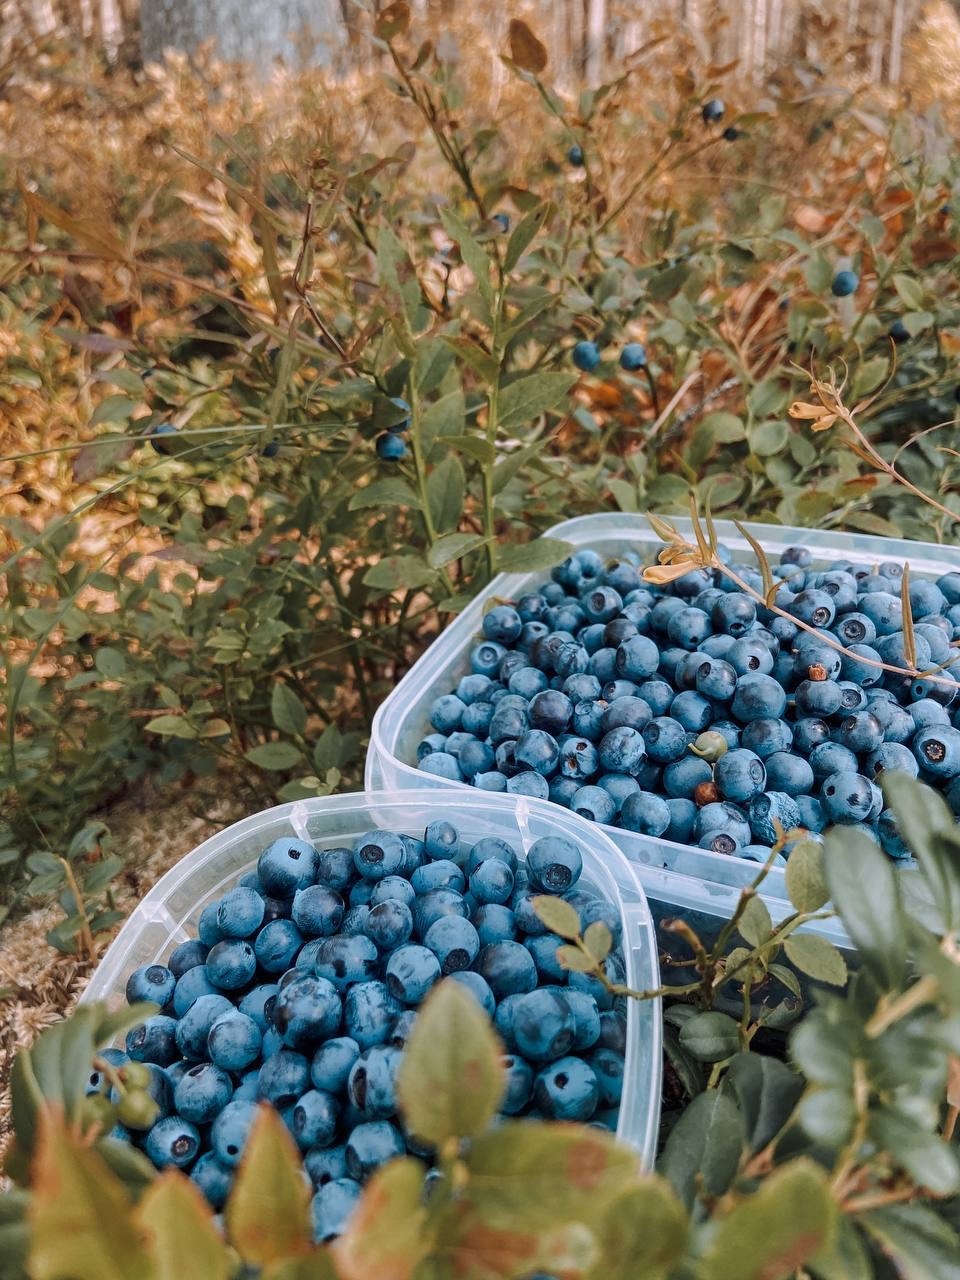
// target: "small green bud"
[[136, 1075], [97, 1110], [710, 746], [137, 1110]]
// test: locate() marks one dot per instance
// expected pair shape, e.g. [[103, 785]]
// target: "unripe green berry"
[[710, 746], [137, 1110], [97, 1110], [136, 1075]]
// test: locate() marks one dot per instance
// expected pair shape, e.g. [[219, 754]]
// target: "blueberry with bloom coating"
[[844, 284], [633, 357], [554, 864], [847, 797], [712, 111], [586, 355], [567, 1090], [286, 866]]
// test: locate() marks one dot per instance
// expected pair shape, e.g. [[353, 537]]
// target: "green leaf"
[[446, 493], [828, 1116], [392, 260], [909, 290], [100, 455], [472, 253], [275, 756], [513, 462], [113, 409], [710, 1036], [389, 492], [80, 1219], [772, 1233], [644, 1233], [475, 447], [768, 439], [817, 957], [845, 1257], [394, 573], [268, 1214], [288, 712], [111, 663], [862, 884], [755, 924], [433, 363], [598, 940], [930, 1161], [389, 1232], [176, 1223], [804, 875], [445, 417], [574, 961], [921, 1245], [726, 428], [703, 1147], [451, 1078], [452, 546], [171, 727], [765, 1091], [559, 916], [932, 832], [526, 398], [525, 233], [542, 553]]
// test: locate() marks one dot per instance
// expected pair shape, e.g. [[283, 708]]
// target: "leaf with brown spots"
[[526, 1176], [388, 1235], [451, 1078], [780, 1228], [175, 1220], [268, 1214]]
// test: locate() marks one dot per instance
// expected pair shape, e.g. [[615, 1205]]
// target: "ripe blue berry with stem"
[[575, 155], [586, 356], [390, 447], [844, 284], [633, 357]]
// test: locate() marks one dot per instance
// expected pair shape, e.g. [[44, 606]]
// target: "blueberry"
[[188, 955], [847, 797], [283, 1078], [712, 111], [286, 866], [543, 1026], [645, 813], [431, 906], [325, 1164], [231, 964], [937, 749], [172, 1141], [830, 758], [715, 679], [633, 357], [492, 881], [277, 945], [554, 864], [154, 1041], [567, 1090], [335, 868], [371, 1145], [440, 874], [379, 853], [586, 355], [818, 698], [240, 913], [234, 1041], [595, 804], [766, 736], [507, 967], [390, 924], [317, 911], [347, 960], [315, 1116], [740, 775], [307, 1011], [332, 1206], [153, 982], [369, 1012], [770, 807], [193, 1028], [758, 697], [214, 1180], [638, 658], [891, 755], [372, 1084], [202, 1093], [844, 283], [390, 446], [664, 740], [502, 624]]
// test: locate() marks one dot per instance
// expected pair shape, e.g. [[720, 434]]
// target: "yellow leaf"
[[89, 231], [387, 1237], [268, 1213], [660, 574], [525, 49], [176, 1221], [80, 1215]]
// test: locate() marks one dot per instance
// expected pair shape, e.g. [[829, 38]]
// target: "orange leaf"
[[525, 49]]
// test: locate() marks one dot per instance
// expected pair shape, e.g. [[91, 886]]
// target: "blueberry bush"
[[261, 450]]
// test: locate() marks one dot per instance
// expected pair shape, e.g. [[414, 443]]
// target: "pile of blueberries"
[[692, 712], [303, 984]]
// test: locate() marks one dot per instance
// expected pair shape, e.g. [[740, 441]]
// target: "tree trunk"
[[298, 33]]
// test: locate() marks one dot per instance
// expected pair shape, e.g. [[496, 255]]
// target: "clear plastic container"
[[403, 718], [169, 913]]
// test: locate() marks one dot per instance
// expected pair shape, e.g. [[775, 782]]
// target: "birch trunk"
[[260, 33]]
